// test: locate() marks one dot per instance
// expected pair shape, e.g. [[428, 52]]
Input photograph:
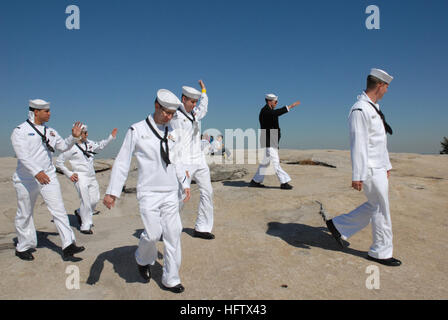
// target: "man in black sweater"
[[270, 137]]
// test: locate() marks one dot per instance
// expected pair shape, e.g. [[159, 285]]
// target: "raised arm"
[[201, 109], [66, 144]]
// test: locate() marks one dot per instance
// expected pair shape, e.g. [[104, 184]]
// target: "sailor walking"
[[154, 144], [186, 122], [270, 138], [370, 171], [81, 157], [34, 144]]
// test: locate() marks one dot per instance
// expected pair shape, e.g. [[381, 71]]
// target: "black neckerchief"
[[87, 153], [165, 154], [186, 115], [43, 136], [386, 126]]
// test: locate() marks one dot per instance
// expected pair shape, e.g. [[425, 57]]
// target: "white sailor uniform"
[[157, 194], [370, 163], [193, 159], [33, 156], [81, 158]]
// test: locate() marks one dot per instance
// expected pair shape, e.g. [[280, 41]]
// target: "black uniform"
[[269, 120]]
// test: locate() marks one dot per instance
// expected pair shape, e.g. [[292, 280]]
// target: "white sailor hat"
[[191, 92], [39, 104], [168, 100], [381, 74], [271, 96]]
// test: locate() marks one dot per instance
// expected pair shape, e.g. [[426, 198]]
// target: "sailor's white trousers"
[[160, 215], [27, 190], [375, 211]]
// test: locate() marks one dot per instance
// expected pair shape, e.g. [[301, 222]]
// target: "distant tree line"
[[444, 144]]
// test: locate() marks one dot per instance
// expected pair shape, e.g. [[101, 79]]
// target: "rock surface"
[[270, 243]]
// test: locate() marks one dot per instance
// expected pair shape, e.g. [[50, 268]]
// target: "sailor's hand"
[[187, 194], [357, 185], [76, 130], [42, 178], [114, 132], [388, 174], [109, 201], [74, 177], [295, 104], [201, 83]]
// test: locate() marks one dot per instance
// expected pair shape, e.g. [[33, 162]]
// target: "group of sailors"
[[167, 148]]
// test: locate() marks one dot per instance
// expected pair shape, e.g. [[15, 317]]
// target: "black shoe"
[[72, 249], [286, 186], [145, 272], [176, 289], [25, 255], [78, 217], [96, 212], [335, 233], [203, 235], [391, 262], [86, 231], [255, 184]]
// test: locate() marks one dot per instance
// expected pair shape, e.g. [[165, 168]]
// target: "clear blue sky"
[[320, 52]]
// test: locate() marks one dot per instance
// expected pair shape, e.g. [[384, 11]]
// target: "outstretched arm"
[[295, 104], [103, 143]]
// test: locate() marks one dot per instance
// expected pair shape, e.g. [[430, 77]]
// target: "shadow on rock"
[[44, 242], [240, 184], [305, 237], [188, 231], [123, 261], [73, 220], [243, 184]]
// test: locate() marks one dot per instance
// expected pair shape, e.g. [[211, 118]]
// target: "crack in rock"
[[309, 162]]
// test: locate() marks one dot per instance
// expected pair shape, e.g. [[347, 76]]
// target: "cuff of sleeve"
[[115, 194], [186, 184], [36, 171], [359, 178], [69, 174]]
